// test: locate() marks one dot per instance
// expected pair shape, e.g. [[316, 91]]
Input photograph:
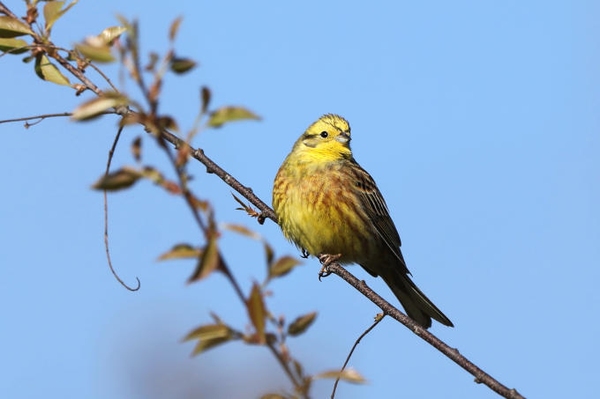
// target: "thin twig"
[[47, 116], [99, 71], [106, 244], [40, 117], [378, 319]]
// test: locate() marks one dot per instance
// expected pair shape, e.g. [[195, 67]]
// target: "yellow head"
[[328, 139]]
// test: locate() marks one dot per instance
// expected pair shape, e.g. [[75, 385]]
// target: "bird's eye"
[[324, 134]]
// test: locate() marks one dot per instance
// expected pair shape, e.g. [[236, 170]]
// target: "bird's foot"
[[326, 260]]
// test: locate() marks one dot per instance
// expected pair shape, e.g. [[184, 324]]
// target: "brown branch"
[[481, 377], [212, 167]]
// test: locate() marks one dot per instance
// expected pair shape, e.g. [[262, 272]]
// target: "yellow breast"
[[315, 211]]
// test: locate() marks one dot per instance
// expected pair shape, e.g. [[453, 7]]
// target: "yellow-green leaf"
[[182, 65], [49, 72], [98, 48], [117, 180], [12, 27], [109, 34], [97, 106], [257, 313], [209, 336], [181, 251], [283, 266], [53, 11], [230, 114], [208, 261], [301, 324], [13, 46], [349, 375], [96, 52]]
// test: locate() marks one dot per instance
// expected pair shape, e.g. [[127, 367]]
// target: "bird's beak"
[[343, 137]]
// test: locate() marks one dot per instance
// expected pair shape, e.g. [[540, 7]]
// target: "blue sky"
[[479, 122]]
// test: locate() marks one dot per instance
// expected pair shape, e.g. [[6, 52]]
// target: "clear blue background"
[[479, 121]]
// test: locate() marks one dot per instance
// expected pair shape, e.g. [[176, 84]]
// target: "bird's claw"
[[326, 260], [305, 253]]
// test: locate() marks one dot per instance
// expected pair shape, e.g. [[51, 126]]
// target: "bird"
[[329, 206]]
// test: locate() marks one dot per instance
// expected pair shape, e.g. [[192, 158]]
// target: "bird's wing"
[[377, 211]]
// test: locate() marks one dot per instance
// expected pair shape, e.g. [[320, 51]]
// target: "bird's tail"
[[416, 304]]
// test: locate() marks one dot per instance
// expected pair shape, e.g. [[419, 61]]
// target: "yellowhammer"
[[327, 204]]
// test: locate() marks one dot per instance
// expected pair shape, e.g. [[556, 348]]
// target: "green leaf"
[[97, 106], [229, 114], [348, 375], [258, 313], [117, 180], [301, 324], [209, 336], [12, 27], [181, 251], [53, 11], [283, 266], [13, 46], [49, 72], [182, 65]]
